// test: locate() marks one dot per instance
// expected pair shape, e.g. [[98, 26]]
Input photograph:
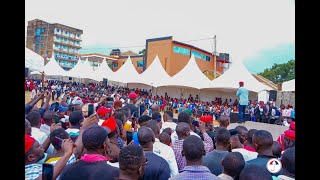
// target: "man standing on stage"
[[243, 93]]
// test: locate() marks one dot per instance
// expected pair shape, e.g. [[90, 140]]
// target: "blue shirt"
[[243, 94], [195, 172]]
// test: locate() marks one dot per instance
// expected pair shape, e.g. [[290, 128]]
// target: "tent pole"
[[199, 95]]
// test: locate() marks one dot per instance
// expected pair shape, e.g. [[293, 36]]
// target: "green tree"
[[280, 73], [143, 51]]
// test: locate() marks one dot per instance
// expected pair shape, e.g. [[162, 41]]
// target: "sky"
[[258, 33]]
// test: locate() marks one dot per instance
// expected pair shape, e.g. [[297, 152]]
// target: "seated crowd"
[[97, 132]]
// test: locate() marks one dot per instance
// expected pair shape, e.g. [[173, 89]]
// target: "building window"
[[205, 57], [115, 65], [58, 30], [41, 38], [180, 50], [140, 63], [41, 52], [41, 45], [196, 54]]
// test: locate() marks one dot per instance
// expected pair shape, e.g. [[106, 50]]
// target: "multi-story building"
[[174, 56], [58, 40]]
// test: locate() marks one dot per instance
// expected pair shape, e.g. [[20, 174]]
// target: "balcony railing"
[[69, 37]]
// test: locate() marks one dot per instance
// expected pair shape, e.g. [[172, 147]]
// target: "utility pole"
[[214, 56]]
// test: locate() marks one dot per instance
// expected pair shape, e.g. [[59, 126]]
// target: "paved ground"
[[275, 130]]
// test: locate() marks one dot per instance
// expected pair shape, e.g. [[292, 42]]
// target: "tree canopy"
[[280, 73]]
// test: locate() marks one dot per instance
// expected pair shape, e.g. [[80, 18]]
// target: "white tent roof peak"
[[104, 71], [33, 61], [52, 68], [127, 73], [189, 76], [155, 75], [237, 72]]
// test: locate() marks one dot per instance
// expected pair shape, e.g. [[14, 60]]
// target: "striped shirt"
[[177, 148], [32, 171], [195, 172], [54, 160]]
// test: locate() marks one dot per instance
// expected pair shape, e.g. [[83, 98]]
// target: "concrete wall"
[[287, 98]]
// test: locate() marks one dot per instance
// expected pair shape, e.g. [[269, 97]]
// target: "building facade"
[[55, 40], [175, 55]]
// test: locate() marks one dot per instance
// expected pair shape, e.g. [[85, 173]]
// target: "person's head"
[[133, 97], [289, 139], [146, 138], [57, 134], [155, 108], [48, 117], [235, 142], [27, 127], [168, 116], [241, 83], [254, 172], [243, 133], [233, 163], [95, 139], [117, 104], [104, 112], [33, 150], [156, 116], [168, 130], [132, 161], [288, 160], [165, 138], [142, 120], [112, 125], [223, 138], [183, 130], [224, 121], [34, 118], [193, 150], [75, 119], [250, 135], [120, 115], [276, 149], [262, 141], [184, 117], [154, 126], [126, 112], [209, 122]]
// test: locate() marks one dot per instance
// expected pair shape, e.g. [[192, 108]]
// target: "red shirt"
[[249, 148]]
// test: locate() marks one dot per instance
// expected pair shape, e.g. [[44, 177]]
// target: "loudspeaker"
[[26, 72], [105, 82], [272, 95], [70, 78]]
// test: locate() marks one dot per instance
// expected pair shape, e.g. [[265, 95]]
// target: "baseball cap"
[[94, 136], [59, 107]]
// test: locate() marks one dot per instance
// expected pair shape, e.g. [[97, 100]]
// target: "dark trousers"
[[53, 93], [242, 113]]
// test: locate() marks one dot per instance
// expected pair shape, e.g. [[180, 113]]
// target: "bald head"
[[262, 140], [224, 121], [145, 136], [183, 130], [155, 108]]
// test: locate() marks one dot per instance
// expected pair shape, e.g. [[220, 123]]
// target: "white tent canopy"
[[103, 71], [33, 61], [230, 79], [35, 73], [87, 71], [288, 85], [76, 71], [155, 75], [190, 76], [52, 68], [127, 73]]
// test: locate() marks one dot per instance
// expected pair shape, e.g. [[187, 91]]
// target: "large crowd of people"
[[93, 131]]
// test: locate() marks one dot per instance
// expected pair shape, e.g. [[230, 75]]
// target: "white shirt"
[[116, 164], [41, 137], [166, 152], [247, 155], [33, 93], [100, 122], [45, 128], [174, 136], [53, 87], [225, 177], [171, 125]]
